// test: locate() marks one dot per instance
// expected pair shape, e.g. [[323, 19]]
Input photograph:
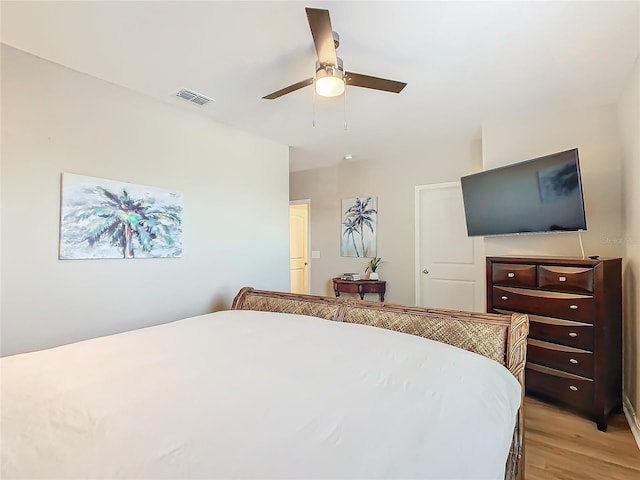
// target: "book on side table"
[[351, 276]]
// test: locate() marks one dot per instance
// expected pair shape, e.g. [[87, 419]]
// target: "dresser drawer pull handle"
[[573, 360], [571, 387], [573, 334], [573, 307], [504, 297], [562, 279], [511, 274]]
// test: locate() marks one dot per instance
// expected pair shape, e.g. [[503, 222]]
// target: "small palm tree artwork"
[[108, 219], [350, 229], [359, 222]]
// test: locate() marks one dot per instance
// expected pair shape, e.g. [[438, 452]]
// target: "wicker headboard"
[[502, 338], [499, 337]]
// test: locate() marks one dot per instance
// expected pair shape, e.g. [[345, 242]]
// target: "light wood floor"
[[560, 445]]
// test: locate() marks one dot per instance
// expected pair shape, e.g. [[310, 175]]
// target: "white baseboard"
[[632, 418]]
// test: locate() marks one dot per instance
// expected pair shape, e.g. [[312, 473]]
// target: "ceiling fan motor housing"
[[336, 39], [331, 70]]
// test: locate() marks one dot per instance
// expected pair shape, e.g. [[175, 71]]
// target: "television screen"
[[535, 196]]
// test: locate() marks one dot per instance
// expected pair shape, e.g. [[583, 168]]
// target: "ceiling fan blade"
[[289, 89], [366, 81], [320, 25]]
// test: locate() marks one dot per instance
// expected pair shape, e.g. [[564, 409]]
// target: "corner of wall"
[[629, 125], [632, 418]]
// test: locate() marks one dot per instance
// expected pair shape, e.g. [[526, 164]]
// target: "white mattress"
[[241, 394]]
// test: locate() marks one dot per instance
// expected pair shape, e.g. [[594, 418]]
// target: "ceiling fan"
[[330, 79]]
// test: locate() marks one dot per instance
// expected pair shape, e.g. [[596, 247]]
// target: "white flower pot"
[[373, 276]]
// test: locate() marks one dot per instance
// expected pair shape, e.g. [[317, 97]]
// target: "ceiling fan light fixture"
[[330, 80], [329, 86]]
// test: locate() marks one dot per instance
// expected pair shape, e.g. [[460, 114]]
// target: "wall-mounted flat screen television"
[[541, 195]]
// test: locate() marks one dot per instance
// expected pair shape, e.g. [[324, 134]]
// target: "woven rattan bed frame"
[[502, 338]]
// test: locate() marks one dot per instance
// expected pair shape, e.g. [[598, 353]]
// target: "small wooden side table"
[[360, 287]]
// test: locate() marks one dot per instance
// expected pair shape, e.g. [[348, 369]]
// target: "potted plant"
[[372, 266]]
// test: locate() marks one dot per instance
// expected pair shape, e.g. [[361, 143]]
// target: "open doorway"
[[299, 246]]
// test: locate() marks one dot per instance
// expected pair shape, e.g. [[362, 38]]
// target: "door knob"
[[425, 271], [305, 264]]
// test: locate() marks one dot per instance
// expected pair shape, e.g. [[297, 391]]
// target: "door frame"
[[307, 202]]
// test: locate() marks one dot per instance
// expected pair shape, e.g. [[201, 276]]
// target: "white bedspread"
[[240, 394]]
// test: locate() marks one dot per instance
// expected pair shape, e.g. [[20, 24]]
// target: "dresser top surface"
[[542, 260]]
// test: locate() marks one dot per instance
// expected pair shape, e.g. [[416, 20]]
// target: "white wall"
[[594, 131], [235, 220], [629, 115], [393, 181]]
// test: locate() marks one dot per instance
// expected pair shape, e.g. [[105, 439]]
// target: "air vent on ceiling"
[[194, 97]]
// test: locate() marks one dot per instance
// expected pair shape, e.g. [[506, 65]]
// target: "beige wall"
[[235, 216], [594, 131], [629, 114], [393, 181]]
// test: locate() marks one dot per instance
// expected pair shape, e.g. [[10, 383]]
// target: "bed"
[[281, 386]]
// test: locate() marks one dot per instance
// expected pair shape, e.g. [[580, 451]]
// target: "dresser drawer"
[[566, 279], [568, 389], [514, 274], [566, 359], [562, 305], [565, 332]]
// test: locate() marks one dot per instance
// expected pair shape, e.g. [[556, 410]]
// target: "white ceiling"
[[464, 62]]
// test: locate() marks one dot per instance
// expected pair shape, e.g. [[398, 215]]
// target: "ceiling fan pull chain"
[[345, 108], [313, 121]]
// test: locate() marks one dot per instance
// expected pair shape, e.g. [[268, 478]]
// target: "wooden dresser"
[[574, 348]]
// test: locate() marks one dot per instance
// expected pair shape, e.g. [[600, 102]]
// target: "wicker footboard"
[[502, 338]]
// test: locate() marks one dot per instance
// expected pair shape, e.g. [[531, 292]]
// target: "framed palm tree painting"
[[109, 219], [359, 231]]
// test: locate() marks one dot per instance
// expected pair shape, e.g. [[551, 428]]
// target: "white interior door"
[[299, 246], [449, 264]]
